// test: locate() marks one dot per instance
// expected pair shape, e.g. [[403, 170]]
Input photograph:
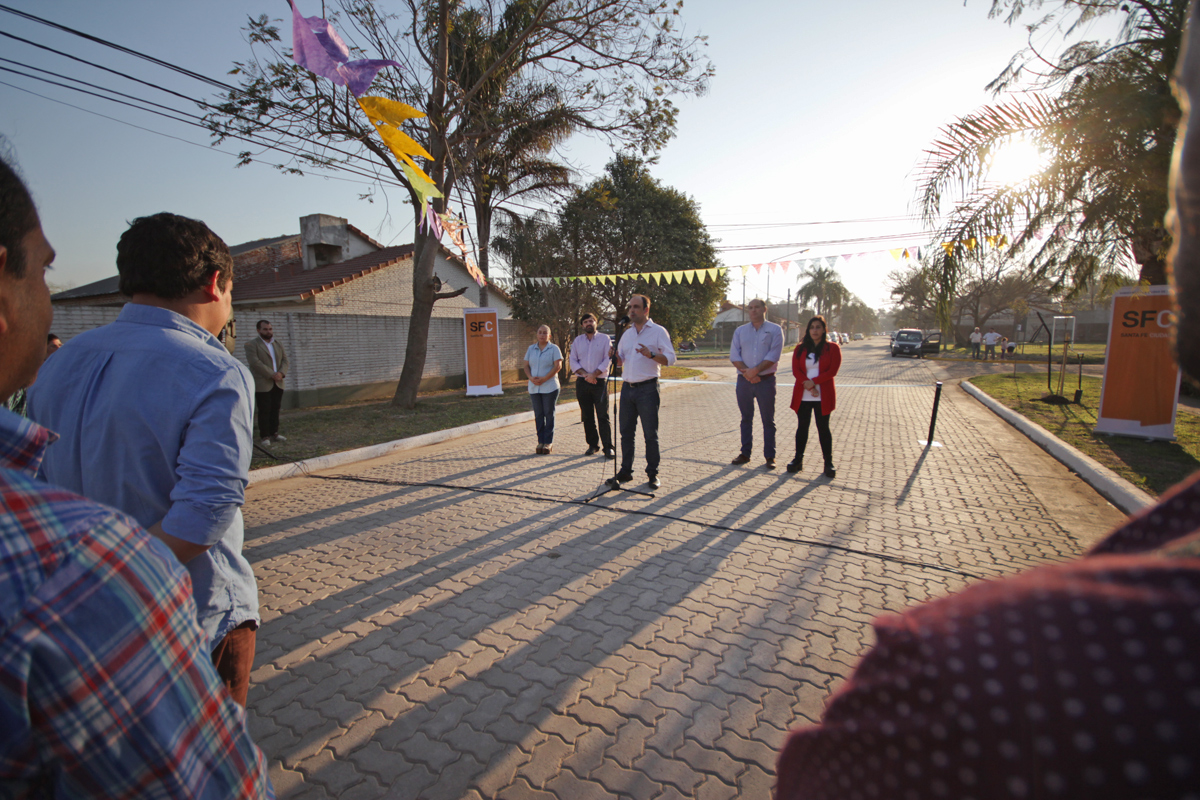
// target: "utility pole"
[[787, 315]]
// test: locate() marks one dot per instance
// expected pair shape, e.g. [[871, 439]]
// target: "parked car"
[[858, 337], [912, 342], [845, 338]]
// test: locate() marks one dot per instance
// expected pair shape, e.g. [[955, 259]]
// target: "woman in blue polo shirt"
[[543, 360]]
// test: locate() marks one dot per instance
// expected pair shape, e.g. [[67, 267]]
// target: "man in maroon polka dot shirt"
[[1079, 680]]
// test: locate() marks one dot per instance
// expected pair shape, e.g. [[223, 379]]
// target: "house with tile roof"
[[340, 302]]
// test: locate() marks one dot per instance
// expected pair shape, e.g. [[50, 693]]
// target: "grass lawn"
[[1092, 353], [1153, 466], [331, 429]]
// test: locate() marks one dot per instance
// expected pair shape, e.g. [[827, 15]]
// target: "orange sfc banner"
[[481, 327], [1141, 379]]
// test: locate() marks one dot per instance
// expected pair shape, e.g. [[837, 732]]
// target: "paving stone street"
[[457, 622]]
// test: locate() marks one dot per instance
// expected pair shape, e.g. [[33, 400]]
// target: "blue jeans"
[[639, 401], [763, 393], [543, 415]]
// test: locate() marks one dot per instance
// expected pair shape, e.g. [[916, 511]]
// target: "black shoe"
[[795, 466], [591, 451], [608, 453], [654, 482], [830, 472], [624, 477], [741, 459]]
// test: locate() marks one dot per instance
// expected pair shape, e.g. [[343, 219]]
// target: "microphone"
[[623, 320]]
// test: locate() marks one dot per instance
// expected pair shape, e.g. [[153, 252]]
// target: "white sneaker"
[[279, 437], [266, 442]]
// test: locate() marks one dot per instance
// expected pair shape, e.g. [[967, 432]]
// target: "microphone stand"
[[612, 484]]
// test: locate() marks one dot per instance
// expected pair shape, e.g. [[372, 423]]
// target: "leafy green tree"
[[534, 248], [858, 317], [915, 297], [1104, 118], [614, 62], [626, 221]]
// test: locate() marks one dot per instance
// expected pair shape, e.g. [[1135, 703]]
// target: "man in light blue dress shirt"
[[755, 350], [154, 416]]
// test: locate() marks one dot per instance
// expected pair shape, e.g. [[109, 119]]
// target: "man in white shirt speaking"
[[644, 349]]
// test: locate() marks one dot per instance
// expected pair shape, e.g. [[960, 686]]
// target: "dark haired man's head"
[[52, 344], [265, 330], [25, 310], [588, 322], [639, 309], [169, 257], [18, 216]]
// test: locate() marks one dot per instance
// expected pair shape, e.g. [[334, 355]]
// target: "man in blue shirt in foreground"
[[106, 687], [154, 416]]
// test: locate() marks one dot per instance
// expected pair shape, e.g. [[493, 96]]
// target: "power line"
[[924, 235], [209, 148]]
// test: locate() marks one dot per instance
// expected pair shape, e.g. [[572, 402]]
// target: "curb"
[[1118, 491]]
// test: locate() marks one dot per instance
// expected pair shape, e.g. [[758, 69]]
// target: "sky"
[[814, 124]]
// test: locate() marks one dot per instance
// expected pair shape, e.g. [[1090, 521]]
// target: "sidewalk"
[[454, 621]]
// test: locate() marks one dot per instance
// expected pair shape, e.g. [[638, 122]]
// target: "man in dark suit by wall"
[[269, 363]]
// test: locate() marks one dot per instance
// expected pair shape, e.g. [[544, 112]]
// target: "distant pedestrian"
[[269, 363], [1003, 346], [976, 341], [1011, 348], [543, 360], [590, 359], [755, 350], [815, 362], [990, 340]]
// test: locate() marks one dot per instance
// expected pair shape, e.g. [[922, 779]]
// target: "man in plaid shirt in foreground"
[[106, 687]]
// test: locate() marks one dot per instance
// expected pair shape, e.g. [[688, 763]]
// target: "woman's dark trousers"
[[806, 411]]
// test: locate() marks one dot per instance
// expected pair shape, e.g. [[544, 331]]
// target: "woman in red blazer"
[[814, 363]]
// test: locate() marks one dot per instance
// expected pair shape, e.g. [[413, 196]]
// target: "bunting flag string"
[[775, 267]]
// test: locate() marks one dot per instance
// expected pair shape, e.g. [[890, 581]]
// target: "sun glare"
[[1015, 162]]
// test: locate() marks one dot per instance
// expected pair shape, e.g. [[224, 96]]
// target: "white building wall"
[[70, 321], [328, 350]]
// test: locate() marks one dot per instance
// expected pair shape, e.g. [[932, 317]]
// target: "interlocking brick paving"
[[459, 622]]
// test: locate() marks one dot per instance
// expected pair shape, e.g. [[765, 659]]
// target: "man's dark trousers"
[[268, 411], [763, 393], [640, 401], [593, 407]]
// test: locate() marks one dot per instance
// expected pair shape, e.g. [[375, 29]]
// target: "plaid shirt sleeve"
[[106, 689]]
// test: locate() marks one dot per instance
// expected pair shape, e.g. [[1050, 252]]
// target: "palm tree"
[[1104, 117], [513, 124], [824, 287]]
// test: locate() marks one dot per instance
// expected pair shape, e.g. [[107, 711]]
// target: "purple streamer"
[[317, 47]]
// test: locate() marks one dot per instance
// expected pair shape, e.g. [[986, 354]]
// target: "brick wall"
[[340, 357], [265, 258]]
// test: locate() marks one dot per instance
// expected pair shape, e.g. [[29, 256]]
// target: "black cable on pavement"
[[545, 498]]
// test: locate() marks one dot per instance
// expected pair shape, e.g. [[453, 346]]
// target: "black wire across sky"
[[357, 168]]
